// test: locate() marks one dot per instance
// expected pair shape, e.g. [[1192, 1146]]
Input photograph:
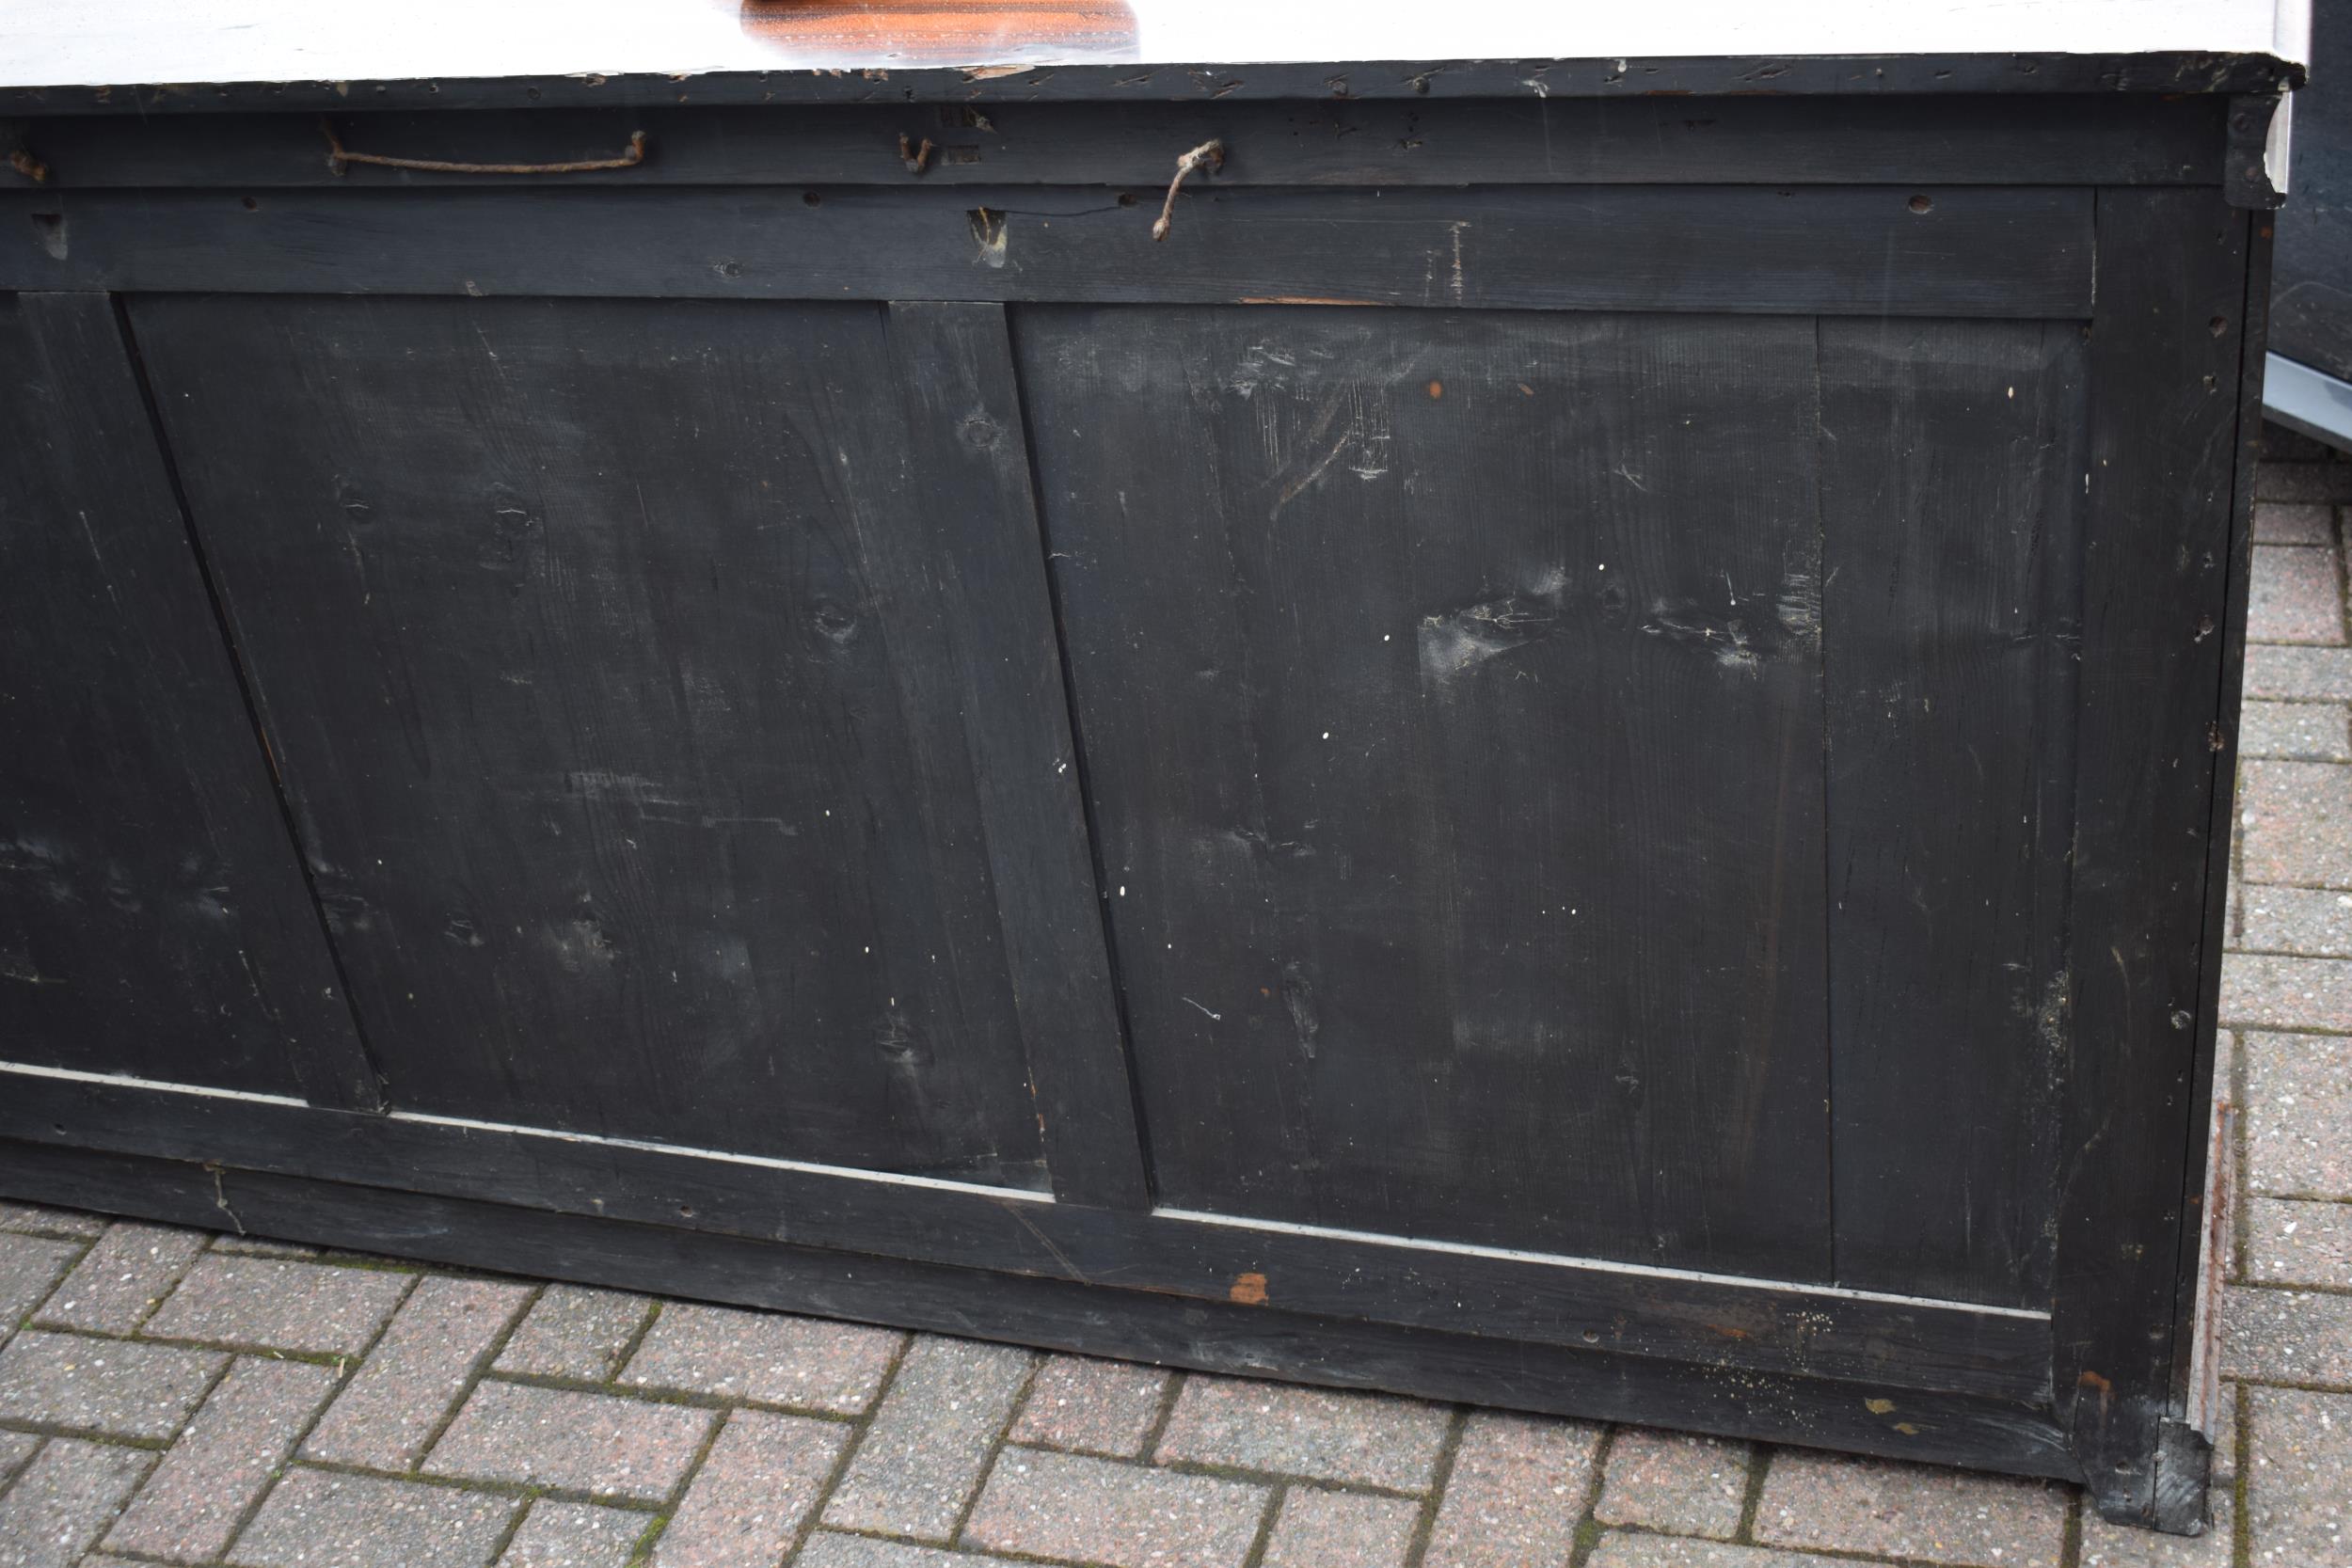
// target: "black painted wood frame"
[[2164, 277]]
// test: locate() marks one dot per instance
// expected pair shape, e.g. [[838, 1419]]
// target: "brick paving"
[[170, 1396]]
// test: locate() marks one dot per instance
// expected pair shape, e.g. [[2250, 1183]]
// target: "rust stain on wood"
[[1249, 1289]]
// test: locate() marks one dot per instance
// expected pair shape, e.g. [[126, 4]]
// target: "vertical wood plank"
[[602, 712], [1951, 489], [2164, 349], [980, 549], [153, 917], [2183, 1466]]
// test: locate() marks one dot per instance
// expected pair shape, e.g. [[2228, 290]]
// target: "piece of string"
[[338, 156]]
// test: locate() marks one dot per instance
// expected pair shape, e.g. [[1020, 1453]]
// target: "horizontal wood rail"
[[1264, 1341], [1782, 1327], [1861, 250]]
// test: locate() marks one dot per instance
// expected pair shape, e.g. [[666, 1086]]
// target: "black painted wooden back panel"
[[567, 620], [1506, 843], [1449, 686], [152, 916], [1952, 621]]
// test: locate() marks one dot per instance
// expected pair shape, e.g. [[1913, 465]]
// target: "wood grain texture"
[[2164, 367], [1860, 250], [2185, 1457], [990, 683], [1450, 691], [1736, 1327], [153, 915], [2061, 140], [570, 630], [2005, 1435], [1951, 519]]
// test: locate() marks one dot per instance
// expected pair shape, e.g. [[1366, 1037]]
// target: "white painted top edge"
[[89, 43]]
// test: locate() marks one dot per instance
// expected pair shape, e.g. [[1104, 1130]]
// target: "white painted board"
[[91, 42]]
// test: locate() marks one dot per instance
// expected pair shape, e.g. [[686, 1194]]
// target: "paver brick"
[[2286, 1337], [2106, 1546], [397, 1400], [117, 1386], [2313, 921], [1045, 1504], [2265, 990], [2307, 674], [274, 1305], [64, 1498], [1090, 1406], [2305, 732], [2297, 822], [2295, 523], [572, 1331], [321, 1519], [923, 1458], [2289, 1243], [1627, 1549], [2295, 594], [1316, 1529], [37, 1219], [263, 1247], [1516, 1492], [593, 1443], [1839, 1504], [191, 1505], [771, 1358], [751, 1494], [119, 1280], [1675, 1482], [2327, 480], [30, 1267], [828, 1550], [1367, 1439], [2299, 1494], [557, 1534], [2225, 1441], [15, 1449], [2298, 1114]]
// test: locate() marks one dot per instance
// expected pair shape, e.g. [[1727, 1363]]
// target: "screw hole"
[[1920, 203], [811, 198], [252, 204], [2217, 326], [685, 1211], [1127, 199]]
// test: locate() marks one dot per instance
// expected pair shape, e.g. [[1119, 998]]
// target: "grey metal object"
[[2310, 378], [2307, 401]]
